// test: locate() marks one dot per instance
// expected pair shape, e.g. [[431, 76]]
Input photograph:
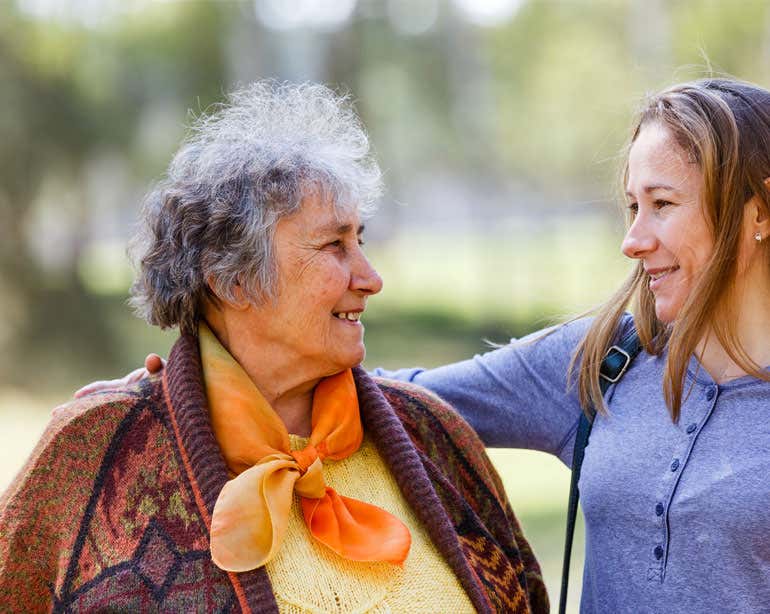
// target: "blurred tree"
[[564, 74], [69, 94]]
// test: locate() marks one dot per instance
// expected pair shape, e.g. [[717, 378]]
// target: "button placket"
[[659, 545], [676, 469], [671, 477]]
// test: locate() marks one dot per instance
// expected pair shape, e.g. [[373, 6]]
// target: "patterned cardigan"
[[112, 510]]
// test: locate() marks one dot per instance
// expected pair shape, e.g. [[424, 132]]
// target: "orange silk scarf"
[[252, 512]]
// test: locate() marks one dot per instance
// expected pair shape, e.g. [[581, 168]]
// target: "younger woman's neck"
[[752, 327]]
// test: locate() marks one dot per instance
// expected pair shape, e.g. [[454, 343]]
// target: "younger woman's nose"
[[639, 241]]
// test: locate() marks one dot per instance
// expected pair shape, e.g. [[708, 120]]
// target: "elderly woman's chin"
[[353, 356], [350, 348], [341, 352]]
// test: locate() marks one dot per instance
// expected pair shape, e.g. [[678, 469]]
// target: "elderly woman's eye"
[[633, 208]]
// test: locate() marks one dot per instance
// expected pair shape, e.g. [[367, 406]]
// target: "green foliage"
[[68, 95], [527, 119], [732, 36]]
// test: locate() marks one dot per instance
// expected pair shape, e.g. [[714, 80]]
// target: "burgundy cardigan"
[[112, 510]]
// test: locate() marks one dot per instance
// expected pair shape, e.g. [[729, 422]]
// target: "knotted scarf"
[[252, 511]]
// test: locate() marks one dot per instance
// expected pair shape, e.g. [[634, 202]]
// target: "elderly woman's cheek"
[[333, 283]]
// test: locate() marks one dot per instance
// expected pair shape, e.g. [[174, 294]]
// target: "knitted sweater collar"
[[206, 469]]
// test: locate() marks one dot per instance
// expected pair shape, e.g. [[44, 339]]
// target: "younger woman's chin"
[[665, 313]]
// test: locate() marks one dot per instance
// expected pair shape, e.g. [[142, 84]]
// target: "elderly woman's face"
[[324, 279]]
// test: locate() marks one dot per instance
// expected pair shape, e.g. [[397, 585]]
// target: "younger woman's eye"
[[361, 241]]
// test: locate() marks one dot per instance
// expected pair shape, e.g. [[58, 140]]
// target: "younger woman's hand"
[[152, 364]]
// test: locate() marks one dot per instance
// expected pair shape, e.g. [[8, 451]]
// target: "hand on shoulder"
[[152, 364]]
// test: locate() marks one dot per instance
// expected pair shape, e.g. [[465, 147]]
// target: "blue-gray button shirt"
[[677, 515]]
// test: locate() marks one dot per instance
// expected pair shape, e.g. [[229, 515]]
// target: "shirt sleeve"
[[517, 396]]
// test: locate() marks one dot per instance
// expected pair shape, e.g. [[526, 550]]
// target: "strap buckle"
[[615, 368]]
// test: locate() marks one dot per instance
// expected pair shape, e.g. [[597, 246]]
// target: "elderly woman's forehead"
[[340, 227], [333, 226], [326, 215]]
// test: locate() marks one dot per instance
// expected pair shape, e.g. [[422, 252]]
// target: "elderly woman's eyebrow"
[[340, 229]]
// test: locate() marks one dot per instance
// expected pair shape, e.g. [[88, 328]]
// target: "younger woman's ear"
[[760, 214]]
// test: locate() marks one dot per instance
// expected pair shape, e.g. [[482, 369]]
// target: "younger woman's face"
[[669, 232]]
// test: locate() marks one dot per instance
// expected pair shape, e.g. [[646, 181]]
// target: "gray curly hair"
[[241, 169]]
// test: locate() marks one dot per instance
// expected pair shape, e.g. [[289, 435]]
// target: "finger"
[[112, 384], [82, 391], [96, 387], [133, 377]]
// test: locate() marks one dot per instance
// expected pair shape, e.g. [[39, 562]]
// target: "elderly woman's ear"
[[238, 299]]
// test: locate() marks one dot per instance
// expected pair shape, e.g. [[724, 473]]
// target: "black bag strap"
[[615, 363]]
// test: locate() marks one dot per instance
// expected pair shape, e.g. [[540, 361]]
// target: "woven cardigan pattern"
[[113, 508]]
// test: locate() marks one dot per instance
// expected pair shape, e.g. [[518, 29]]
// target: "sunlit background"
[[499, 124]]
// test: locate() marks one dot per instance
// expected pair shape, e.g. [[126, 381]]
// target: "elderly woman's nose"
[[364, 277], [638, 241]]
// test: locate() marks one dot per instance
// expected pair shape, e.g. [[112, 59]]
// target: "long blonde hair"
[[724, 126]]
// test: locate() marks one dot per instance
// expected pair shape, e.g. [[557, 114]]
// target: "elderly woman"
[[263, 470]]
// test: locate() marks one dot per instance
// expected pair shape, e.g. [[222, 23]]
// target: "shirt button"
[[659, 509], [691, 428], [658, 552], [710, 394], [675, 464]]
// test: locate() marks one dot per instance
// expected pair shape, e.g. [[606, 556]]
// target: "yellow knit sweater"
[[307, 577]]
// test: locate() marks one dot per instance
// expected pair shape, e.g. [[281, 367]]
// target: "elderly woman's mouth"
[[350, 316]]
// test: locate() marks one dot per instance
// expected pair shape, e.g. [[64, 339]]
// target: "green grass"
[[22, 420]]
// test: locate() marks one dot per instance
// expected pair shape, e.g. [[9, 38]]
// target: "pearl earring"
[[758, 237]]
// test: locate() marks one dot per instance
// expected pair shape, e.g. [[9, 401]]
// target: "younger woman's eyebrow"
[[653, 188]]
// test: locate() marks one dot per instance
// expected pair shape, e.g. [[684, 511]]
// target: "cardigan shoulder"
[[431, 421], [76, 426], [465, 478], [43, 509], [415, 399]]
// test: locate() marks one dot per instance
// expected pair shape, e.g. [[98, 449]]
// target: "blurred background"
[[500, 125]]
